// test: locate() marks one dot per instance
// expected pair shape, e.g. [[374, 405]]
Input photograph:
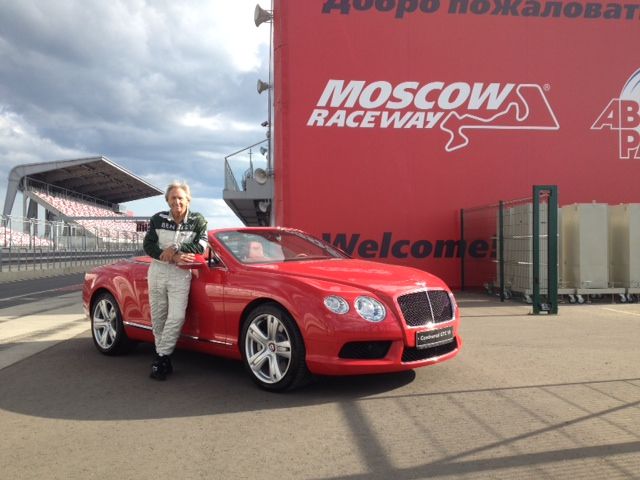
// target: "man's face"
[[178, 202]]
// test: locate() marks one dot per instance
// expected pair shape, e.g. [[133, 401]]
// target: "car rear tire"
[[107, 328], [273, 350]]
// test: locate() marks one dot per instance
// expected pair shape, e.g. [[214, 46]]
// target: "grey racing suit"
[[169, 284]]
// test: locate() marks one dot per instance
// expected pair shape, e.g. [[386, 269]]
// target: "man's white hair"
[[178, 184]]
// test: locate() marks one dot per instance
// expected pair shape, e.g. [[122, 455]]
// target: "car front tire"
[[273, 350], [107, 328]]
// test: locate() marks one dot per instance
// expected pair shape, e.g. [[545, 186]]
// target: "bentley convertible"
[[287, 305]]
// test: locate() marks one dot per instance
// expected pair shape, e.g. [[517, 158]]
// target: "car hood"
[[381, 277]]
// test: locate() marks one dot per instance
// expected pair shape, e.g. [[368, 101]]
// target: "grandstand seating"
[[74, 208]]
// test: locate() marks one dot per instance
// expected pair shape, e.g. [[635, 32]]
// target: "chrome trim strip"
[[430, 325], [137, 325], [436, 358], [182, 335]]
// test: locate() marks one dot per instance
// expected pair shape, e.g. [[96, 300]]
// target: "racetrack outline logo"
[[623, 115], [455, 107], [516, 116]]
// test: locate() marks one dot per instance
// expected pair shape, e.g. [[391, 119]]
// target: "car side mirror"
[[212, 259]]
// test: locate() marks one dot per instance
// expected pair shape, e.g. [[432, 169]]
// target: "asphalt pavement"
[[529, 397], [25, 291]]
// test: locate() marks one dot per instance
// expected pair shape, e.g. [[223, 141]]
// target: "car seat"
[[256, 252]]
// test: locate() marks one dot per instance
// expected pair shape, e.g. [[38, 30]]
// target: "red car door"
[[205, 313]]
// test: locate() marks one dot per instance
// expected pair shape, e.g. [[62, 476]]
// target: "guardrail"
[[32, 233]]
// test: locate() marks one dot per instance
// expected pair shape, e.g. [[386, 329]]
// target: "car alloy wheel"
[[107, 329], [273, 350]]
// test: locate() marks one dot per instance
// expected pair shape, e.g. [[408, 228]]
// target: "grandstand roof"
[[97, 177]]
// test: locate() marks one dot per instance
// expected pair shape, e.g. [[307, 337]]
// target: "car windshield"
[[268, 246]]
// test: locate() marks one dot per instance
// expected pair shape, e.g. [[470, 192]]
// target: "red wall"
[[557, 73]]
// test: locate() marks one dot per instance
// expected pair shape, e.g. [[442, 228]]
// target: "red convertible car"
[[288, 305]]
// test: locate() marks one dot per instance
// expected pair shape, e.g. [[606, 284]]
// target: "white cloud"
[[196, 119], [230, 26], [20, 143], [216, 211], [164, 88]]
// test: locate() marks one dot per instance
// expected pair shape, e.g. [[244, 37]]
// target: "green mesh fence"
[[522, 256]]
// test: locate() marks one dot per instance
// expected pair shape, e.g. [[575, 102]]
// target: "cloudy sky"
[[163, 88]]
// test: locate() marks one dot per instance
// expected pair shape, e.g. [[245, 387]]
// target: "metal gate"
[[522, 237]]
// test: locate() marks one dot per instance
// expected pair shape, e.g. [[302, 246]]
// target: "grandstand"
[[82, 200], [89, 215]]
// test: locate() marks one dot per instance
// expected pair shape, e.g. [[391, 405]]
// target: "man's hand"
[[167, 254], [181, 257]]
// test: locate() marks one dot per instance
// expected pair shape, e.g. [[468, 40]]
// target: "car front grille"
[[417, 354], [420, 308]]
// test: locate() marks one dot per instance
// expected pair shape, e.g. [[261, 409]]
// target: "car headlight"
[[370, 309], [336, 304]]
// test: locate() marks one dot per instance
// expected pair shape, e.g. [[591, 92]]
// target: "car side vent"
[[364, 350], [420, 308]]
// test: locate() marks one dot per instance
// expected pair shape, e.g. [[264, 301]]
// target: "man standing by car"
[[174, 237]]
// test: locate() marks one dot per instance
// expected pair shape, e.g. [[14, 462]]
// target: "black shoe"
[[158, 369], [166, 361]]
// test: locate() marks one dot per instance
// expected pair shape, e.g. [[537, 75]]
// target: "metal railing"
[[19, 232], [243, 164], [34, 244]]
